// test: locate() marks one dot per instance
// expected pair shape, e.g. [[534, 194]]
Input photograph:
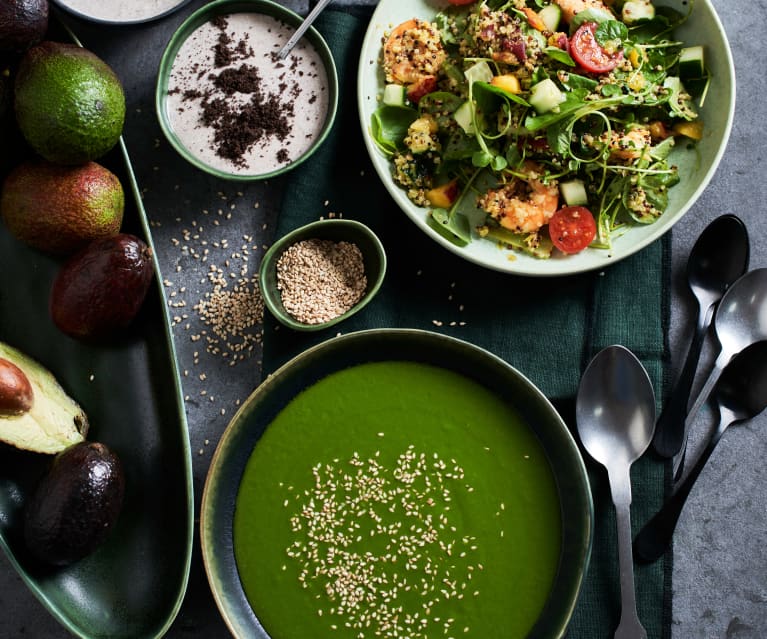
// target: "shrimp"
[[413, 52], [629, 145], [523, 205], [572, 7]]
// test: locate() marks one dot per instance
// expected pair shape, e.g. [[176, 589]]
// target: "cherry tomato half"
[[572, 229], [588, 53]]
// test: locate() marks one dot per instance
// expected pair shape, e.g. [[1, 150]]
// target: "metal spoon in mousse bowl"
[[305, 24], [740, 394], [615, 416], [740, 320], [718, 258]]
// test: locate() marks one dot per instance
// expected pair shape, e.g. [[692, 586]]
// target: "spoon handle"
[[629, 627], [307, 22], [669, 429], [721, 361], [655, 537]]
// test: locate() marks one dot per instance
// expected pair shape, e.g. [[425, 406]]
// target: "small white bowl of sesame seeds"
[[322, 273]]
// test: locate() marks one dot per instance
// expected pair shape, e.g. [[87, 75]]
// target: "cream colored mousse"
[[121, 10], [235, 106]]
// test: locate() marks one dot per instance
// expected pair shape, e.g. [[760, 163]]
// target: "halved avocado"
[[53, 422]]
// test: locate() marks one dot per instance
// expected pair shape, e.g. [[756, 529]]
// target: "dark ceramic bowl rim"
[[195, 20], [276, 390], [271, 296], [62, 5]]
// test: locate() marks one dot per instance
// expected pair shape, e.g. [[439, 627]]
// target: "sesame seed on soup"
[[236, 107]]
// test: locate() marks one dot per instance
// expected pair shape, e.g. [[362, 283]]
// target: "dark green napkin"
[[547, 328]]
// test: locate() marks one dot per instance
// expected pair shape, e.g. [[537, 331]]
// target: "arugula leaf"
[[442, 105], [481, 158], [488, 105], [575, 82], [661, 150], [453, 226], [558, 138], [555, 53], [589, 15], [459, 146], [389, 125], [610, 90], [611, 33]]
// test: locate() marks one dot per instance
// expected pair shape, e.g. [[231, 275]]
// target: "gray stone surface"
[[720, 556]]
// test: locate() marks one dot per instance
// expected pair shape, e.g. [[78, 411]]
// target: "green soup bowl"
[[340, 354]]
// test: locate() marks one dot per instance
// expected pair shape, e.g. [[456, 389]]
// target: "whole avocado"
[[59, 209], [75, 504], [23, 23], [69, 104], [100, 289]]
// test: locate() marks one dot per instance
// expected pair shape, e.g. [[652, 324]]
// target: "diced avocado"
[[636, 10], [394, 95], [464, 116], [691, 63], [54, 420], [479, 72], [545, 95], [574, 192], [551, 16]]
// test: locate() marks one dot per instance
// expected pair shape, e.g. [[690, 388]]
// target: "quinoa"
[[319, 279]]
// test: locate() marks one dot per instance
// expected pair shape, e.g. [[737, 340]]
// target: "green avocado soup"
[[397, 499]]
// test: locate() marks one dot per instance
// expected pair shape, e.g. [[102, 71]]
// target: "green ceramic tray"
[[133, 585]]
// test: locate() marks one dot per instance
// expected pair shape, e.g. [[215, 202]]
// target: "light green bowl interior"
[[223, 7], [373, 257]]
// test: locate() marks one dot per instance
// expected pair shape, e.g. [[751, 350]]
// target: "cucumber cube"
[[574, 192], [636, 10], [551, 16], [691, 63], [545, 95], [479, 72], [464, 116], [394, 95]]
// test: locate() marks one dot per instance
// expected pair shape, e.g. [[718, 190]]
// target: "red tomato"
[[572, 229], [587, 52]]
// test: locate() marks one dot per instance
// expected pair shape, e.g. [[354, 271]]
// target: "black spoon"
[[718, 258], [740, 394]]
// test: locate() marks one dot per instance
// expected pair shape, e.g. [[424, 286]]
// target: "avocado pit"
[[16, 395]]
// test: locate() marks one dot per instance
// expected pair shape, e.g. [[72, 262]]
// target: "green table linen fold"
[[547, 328]]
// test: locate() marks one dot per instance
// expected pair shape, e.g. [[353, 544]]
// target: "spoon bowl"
[[615, 415], [615, 407], [740, 394], [717, 259]]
